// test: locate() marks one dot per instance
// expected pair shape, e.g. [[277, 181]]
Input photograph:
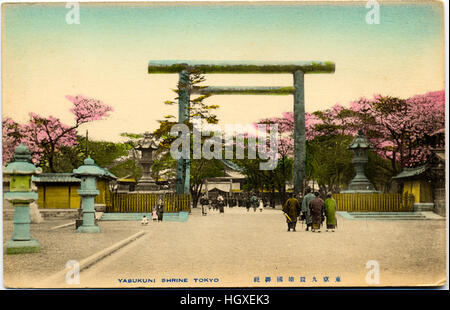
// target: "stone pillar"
[[20, 196], [88, 190], [299, 131], [183, 165]]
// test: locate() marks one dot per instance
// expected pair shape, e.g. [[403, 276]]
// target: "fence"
[[140, 203], [374, 202]]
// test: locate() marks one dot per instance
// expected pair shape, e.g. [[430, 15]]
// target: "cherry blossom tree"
[[44, 136], [402, 130]]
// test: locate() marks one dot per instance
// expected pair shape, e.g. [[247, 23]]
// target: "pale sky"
[[106, 56]]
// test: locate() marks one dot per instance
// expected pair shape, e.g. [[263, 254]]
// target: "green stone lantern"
[[20, 195], [360, 184], [88, 174]]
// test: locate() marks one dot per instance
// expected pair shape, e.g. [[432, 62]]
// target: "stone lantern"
[[88, 174], [360, 184], [147, 146], [21, 196]]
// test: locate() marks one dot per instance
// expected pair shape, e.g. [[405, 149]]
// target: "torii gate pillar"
[[299, 131], [183, 165]]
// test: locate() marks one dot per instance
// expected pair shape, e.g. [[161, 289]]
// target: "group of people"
[[157, 213], [219, 203], [312, 209], [216, 204], [255, 203]]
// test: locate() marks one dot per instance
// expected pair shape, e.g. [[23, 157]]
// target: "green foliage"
[[103, 152], [329, 161], [127, 168], [379, 171], [131, 135], [164, 167]]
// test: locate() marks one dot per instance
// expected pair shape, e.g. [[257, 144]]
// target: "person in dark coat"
[[160, 210], [316, 207], [291, 211], [220, 203], [247, 202]]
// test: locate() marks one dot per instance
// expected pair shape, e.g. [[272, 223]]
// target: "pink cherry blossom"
[[45, 135]]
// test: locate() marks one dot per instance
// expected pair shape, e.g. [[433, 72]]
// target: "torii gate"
[[297, 69]]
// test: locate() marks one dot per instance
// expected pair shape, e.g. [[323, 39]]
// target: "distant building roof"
[[232, 165], [55, 178], [108, 173], [234, 174], [416, 171], [64, 177], [411, 172]]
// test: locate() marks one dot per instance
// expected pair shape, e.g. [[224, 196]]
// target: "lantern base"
[[89, 229], [22, 247]]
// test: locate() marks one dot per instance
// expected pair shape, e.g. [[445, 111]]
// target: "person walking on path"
[[306, 215], [204, 202], [330, 212], [221, 203], [290, 210], [254, 202], [316, 207], [247, 202]]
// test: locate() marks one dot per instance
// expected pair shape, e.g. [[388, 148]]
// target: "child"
[[154, 215], [144, 220]]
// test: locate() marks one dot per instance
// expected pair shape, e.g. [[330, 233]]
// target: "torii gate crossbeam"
[[297, 69]]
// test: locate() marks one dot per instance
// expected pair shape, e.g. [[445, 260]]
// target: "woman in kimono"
[[330, 212], [316, 210]]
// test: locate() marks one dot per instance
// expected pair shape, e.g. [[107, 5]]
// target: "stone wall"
[[439, 200]]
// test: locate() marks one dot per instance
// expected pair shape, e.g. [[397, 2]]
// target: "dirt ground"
[[57, 247], [241, 249]]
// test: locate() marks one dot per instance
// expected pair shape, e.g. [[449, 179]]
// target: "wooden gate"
[[143, 203]]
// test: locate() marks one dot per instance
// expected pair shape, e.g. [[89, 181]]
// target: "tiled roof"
[[63, 177], [411, 172], [108, 173], [55, 178]]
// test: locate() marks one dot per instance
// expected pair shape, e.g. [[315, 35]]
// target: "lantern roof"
[[148, 142], [22, 162], [360, 141], [89, 168]]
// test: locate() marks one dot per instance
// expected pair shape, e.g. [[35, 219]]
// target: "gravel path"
[[57, 247], [237, 247]]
